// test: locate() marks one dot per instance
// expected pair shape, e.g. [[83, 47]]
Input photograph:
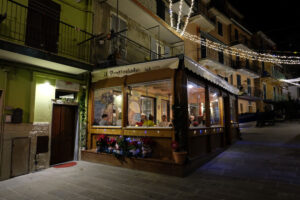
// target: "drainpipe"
[[2, 121]]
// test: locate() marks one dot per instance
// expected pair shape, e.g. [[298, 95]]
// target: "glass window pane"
[[196, 104], [149, 104], [108, 106], [214, 99]]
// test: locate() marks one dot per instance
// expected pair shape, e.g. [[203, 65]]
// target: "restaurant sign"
[[126, 70]]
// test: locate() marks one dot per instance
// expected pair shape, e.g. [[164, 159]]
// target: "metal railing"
[[243, 65], [57, 37], [246, 90]]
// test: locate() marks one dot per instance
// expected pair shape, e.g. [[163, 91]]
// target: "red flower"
[[175, 145]]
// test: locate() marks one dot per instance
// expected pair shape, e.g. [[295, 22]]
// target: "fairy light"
[[179, 14], [242, 53], [171, 12], [188, 17]]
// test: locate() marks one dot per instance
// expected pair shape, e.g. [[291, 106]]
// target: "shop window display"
[[196, 104], [147, 105], [108, 106]]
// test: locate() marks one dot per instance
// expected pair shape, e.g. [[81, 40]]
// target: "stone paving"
[[264, 165]]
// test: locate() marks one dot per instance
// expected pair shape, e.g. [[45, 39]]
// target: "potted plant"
[[147, 144], [101, 143], [111, 143], [179, 156], [120, 147], [133, 148]]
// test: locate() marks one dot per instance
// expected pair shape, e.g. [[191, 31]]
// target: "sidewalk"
[[264, 165]]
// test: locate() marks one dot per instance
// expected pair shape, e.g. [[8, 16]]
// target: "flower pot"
[[179, 157]]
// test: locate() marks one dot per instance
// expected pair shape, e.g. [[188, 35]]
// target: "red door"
[[63, 134]]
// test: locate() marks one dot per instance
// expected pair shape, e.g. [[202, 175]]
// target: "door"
[[63, 134], [42, 30]]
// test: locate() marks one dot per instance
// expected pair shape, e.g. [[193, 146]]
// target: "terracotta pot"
[[179, 157]]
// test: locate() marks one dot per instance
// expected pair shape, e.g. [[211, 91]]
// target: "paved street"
[[264, 165]]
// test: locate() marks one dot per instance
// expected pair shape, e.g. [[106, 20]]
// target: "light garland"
[[171, 12], [188, 17], [179, 15], [246, 54]]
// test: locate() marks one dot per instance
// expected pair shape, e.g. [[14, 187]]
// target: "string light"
[[179, 14], [233, 51], [171, 12], [188, 17]]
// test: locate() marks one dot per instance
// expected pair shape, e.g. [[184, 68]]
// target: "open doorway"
[[63, 133]]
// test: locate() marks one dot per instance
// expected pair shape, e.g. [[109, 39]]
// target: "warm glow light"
[[190, 86]]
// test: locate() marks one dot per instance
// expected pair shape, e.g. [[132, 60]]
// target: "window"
[[214, 101], [265, 91], [196, 104], [149, 104], [156, 49], [238, 80], [241, 108], [108, 106], [221, 57], [231, 79], [220, 28], [250, 109], [249, 86], [236, 34], [247, 64], [203, 49], [118, 43], [274, 93], [262, 66]]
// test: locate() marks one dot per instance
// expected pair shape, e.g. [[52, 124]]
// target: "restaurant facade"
[[159, 109]]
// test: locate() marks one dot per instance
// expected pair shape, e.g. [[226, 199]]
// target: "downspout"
[[2, 121]]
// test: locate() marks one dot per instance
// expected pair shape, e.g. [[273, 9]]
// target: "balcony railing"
[[246, 90], [124, 50], [26, 26], [243, 65]]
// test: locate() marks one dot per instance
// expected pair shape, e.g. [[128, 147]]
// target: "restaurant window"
[[196, 104], [108, 106], [214, 101], [149, 104]]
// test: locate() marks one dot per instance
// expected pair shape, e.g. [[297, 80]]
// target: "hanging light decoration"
[[229, 50]]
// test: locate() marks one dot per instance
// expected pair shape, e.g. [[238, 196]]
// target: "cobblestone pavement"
[[264, 165]]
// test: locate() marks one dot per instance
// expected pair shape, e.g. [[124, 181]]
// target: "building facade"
[[45, 62]]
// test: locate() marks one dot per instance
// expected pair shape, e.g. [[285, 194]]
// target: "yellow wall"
[[244, 106]]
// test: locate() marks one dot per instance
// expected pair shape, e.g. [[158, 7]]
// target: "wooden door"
[[42, 30], [63, 134]]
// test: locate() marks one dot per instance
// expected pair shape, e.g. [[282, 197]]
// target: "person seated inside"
[[104, 120], [149, 122], [193, 121], [164, 122], [143, 119]]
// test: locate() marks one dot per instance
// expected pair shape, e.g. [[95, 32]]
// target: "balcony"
[[200, 17], [134, 10], [250, 93], [216, 61], [33, 28], [250, 70], [125, 51]]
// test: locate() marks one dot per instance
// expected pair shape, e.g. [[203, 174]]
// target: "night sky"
[[277, 19]]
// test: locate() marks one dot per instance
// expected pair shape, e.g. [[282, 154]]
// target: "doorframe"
[[77, 130]]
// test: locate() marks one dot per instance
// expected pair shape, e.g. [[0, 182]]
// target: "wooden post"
[[207, 116], [180, 108], [228, 133], [125, 105]]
